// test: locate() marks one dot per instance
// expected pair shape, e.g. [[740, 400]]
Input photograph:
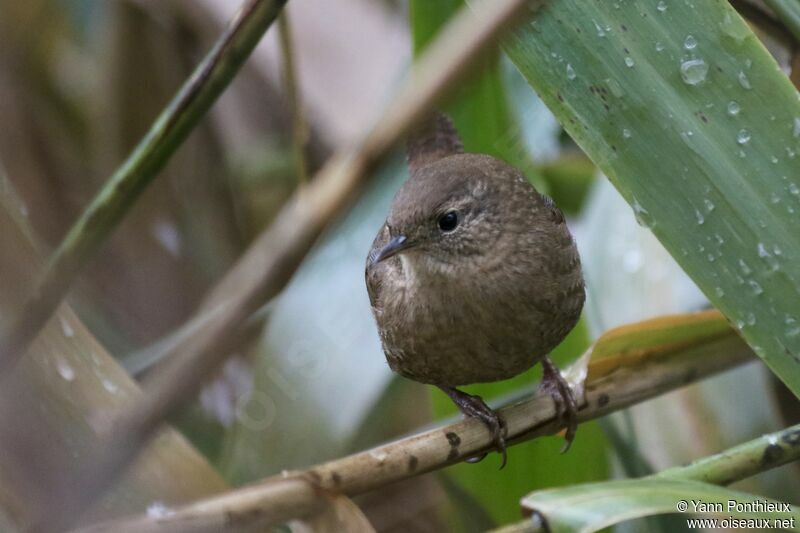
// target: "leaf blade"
[[701, 155], [595, 506]]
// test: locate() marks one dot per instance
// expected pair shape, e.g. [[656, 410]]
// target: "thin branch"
[[107, 209], [299, 126], [612, 384], [269, 263]]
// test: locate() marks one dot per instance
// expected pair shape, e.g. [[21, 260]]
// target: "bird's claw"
[[559, 390], [473, 406]]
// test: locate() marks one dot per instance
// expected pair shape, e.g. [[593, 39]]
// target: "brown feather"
[[432, 140]]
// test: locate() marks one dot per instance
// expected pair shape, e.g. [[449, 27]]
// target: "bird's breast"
[[455, 330]]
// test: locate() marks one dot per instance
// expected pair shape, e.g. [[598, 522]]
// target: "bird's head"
[[453, 213]]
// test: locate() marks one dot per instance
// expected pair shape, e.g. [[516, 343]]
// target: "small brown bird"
[[474, 276]]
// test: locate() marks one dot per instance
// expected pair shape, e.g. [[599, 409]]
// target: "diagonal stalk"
[[743, 460]]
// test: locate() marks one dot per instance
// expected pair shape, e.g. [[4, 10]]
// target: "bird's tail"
[[433, 139]]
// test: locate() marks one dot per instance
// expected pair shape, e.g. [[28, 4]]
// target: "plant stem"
[[788, 12], [757, 14], [742, 461], [299, 126], [109, 206], [609, 387]]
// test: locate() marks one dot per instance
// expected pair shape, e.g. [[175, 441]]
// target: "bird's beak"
[[393, 247]]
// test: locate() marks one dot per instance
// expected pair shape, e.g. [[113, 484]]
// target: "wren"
[[474, 277]]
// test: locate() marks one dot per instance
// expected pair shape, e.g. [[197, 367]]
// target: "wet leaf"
[[692, 120], [587, 508]]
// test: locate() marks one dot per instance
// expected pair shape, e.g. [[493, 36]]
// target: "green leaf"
[[592, 507], [695, 124]]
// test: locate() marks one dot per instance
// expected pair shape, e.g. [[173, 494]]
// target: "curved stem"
[[758, 15], [742, 461], [788, 12]]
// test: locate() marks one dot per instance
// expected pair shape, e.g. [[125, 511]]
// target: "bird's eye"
[[448, 221]]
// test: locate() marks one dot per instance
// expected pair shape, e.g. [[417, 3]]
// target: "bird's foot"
[[473, 406], [559, 390]]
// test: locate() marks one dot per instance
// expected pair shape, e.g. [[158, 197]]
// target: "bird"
[[474, 277]]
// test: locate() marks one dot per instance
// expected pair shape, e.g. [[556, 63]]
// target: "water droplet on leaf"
[[744, 268], [744, 81], [743, 137], [694, 71], [700, 218], [734, 28], [757, 290], [641, 214], [600, 31]]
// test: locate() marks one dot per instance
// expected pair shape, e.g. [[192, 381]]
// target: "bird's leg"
[[473, 406], [559, 390]]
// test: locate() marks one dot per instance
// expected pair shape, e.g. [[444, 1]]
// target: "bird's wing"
[[373, 274]]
